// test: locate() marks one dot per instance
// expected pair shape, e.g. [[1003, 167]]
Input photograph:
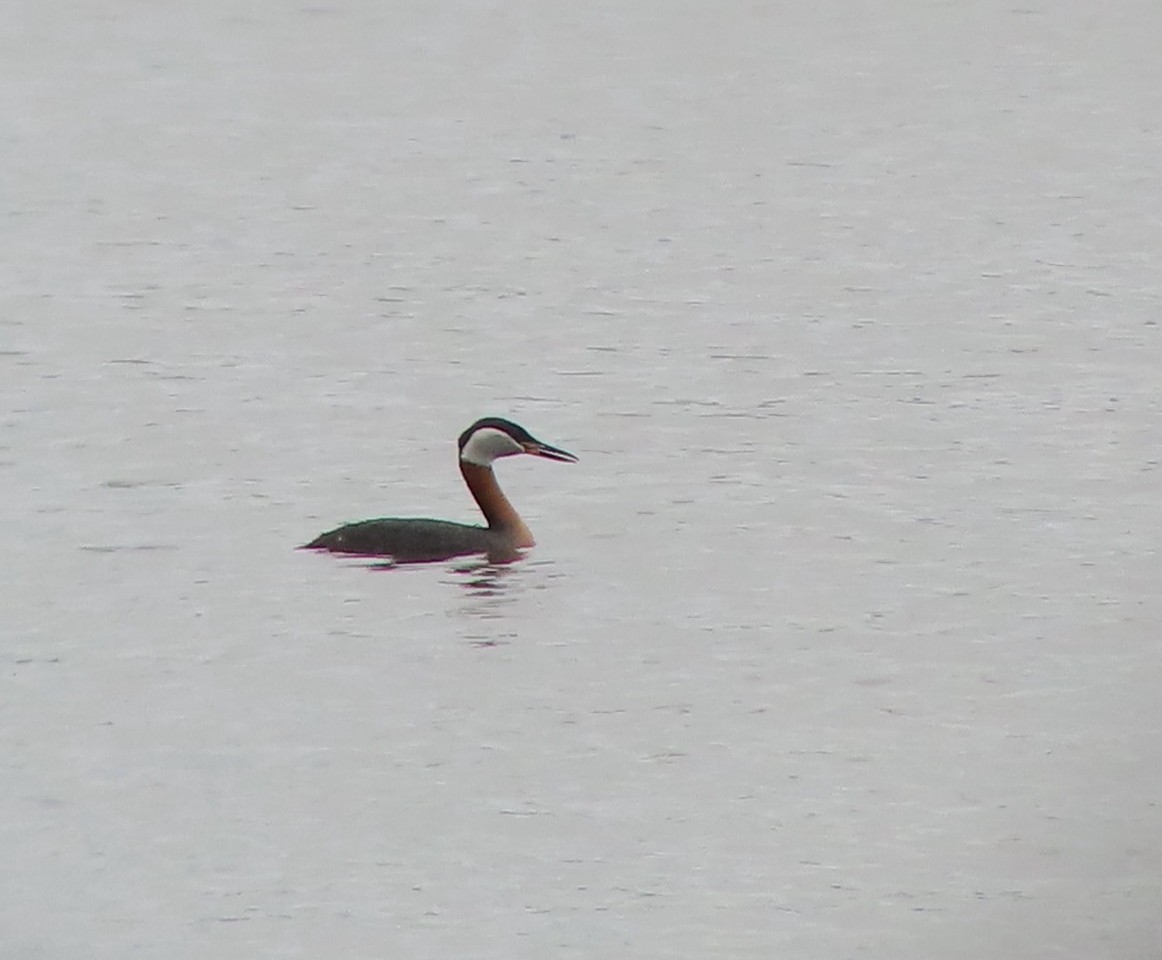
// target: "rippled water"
[[841, 638]]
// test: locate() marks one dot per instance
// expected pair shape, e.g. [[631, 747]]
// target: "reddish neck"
[[500, 514]]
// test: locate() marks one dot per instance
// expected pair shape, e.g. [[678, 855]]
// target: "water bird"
[[407, 540]]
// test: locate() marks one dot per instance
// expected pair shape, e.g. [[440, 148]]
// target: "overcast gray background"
[[841, 640]]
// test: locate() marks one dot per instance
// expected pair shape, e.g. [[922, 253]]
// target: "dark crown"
[[517, 432]]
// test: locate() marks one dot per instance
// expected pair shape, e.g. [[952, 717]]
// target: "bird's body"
[[407, 540]]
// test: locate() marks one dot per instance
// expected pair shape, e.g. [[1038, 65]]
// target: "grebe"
[[421, 541]]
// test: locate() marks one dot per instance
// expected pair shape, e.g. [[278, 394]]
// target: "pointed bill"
[[538, 449]]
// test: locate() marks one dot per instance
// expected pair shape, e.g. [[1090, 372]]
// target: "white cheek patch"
[[486, 445]]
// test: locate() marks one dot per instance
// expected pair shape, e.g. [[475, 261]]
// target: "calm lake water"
[[841, 640]]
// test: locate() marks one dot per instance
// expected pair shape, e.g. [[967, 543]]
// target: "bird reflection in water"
[[485, 579], [495, 597], [490, 590], [489, 593]]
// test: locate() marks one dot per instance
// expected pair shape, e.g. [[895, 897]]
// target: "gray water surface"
[[840, 641]]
